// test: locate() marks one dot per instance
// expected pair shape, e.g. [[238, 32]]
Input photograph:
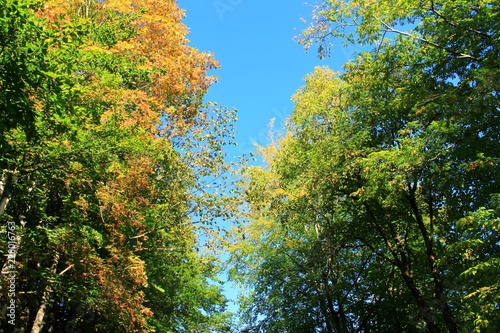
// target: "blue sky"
[[261, 65]]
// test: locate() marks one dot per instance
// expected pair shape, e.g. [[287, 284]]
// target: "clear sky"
[[261, 65]]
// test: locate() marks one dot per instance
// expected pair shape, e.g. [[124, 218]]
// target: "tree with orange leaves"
[[104, 145]]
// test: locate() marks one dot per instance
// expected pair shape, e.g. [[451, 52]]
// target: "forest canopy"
[[105, 144], [378, 208]]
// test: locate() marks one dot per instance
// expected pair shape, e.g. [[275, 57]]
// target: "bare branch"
[[66, 269]]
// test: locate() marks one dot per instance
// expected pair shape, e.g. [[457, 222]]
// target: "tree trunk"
[[340, 322], [345, 323], [401, 261], [5, 183], [333, 313], [324, 310], [421, 304], [431, 259], [40, 315]]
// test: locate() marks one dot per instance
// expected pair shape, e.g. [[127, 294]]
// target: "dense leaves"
[[101, 105], [382, 209], [377, 210]]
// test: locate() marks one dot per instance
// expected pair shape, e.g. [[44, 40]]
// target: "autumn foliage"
[[91, 172]]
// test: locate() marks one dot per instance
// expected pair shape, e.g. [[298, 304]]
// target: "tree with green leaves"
[[394, 165], [103, 144]]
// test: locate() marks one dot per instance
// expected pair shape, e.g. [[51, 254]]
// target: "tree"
[[396, 163], [93, 173]]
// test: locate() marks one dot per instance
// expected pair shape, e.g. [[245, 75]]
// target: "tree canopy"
[[378, 208], [104, 146]]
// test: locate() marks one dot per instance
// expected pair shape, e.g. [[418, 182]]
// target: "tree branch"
[[66, 269], [458, 55], [456, 25]]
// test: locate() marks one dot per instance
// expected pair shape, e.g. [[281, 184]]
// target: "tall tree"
[[395, 163], [93, 173]]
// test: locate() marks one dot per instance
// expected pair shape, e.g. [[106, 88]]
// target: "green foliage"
[[100, 109], [379, 205]]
